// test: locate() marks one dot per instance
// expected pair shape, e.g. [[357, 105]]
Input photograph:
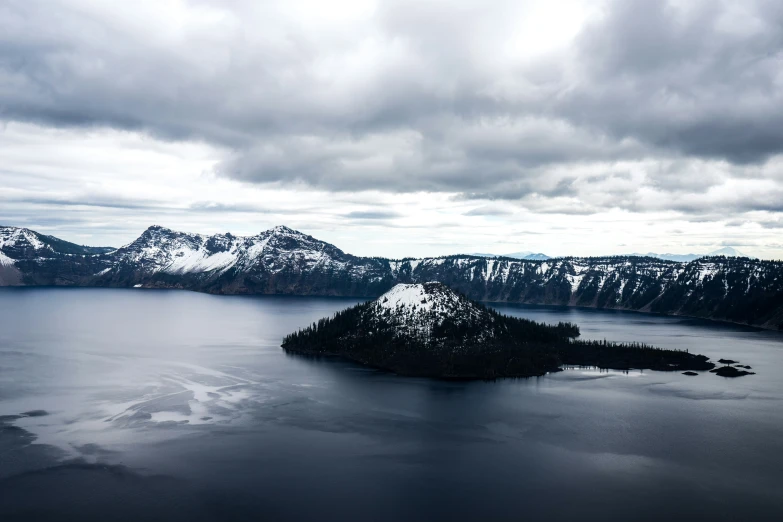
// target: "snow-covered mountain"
[[519, 255], [728, 252], [279, 260], [680, 258], [284, 261], [533, 256], [687, 258]]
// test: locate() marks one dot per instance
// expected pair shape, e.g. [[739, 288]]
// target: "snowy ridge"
[[737, 289], [23, 243], [573, 270], [407, 296], [278, 260], [20, 238], [161, 250]]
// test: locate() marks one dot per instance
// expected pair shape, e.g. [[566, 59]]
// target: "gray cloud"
[[372, 214], [217, 207], [88, 201], [489, 210], [686, 96], [701, 77], [735, 223], [772, 224]]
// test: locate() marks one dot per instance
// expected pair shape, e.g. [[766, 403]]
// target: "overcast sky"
[[399, 127]]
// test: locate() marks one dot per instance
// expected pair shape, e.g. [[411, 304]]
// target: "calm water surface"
[[145, 405]]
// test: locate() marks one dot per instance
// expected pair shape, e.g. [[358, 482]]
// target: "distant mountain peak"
[[526, 255], [519, 255], [537, 257], [728, 252], [282, 229], [680, 258], [687, 258]]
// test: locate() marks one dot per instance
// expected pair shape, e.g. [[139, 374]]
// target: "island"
[[429, 330], [730, 371]]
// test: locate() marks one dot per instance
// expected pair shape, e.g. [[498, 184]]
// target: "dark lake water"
[[166, 405]]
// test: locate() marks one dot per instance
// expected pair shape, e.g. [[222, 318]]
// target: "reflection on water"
[[178, 405]]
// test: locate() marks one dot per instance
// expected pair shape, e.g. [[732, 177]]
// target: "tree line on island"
[[475, 342]]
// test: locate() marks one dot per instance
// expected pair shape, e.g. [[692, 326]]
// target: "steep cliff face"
[[731, 289], [284, 261]]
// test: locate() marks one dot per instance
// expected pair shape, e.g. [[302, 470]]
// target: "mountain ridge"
[[282, 260], [527, 254], [687, 258]]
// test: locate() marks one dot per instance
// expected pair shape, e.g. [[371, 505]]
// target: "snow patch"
[[406, 296], [5, 260]]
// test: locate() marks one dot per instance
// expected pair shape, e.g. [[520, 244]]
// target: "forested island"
[[429, 330]]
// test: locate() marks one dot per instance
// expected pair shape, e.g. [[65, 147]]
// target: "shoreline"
[[368, 298]]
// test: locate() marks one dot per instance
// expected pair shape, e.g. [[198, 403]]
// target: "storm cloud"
[[636, 105]]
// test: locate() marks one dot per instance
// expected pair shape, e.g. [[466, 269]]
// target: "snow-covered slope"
[[424, 306], [161, 250], [20, 241]]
